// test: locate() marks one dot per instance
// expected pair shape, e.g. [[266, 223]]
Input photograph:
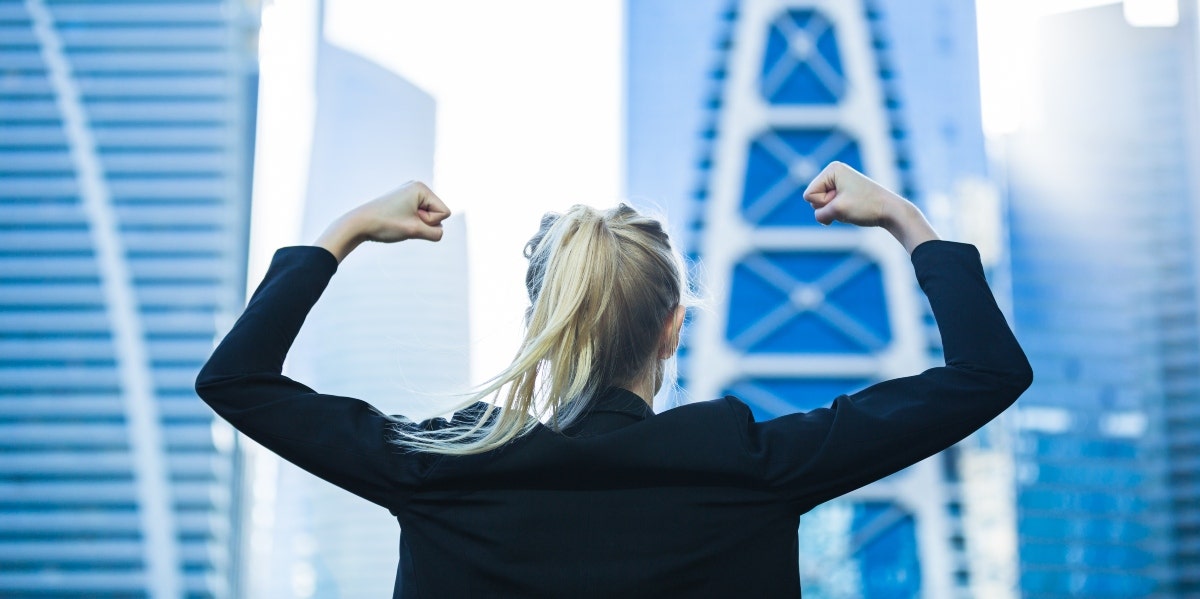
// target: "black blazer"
[[699, 501]]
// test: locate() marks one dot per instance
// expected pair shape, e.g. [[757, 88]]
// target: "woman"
[[567, 485]]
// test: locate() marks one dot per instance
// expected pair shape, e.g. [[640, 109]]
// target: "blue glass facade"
[[807, 303], [779, 167], [126, 131], [1104, 292], [806, 74]]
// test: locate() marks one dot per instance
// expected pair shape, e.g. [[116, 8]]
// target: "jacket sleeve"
[[342, 440], [815, 456]]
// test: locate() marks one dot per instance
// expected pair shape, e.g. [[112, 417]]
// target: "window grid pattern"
[[166, 90]]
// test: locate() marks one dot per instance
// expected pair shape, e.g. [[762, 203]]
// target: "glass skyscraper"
[[1104, 260], [126, 134], [802, 313]]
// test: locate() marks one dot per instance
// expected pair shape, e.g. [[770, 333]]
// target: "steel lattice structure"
[[806, 312]]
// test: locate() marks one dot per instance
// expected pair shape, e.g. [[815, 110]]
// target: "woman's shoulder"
[[723, 416], [721, 407]]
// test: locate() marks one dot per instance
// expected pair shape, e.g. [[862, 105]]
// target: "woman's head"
[[606, 292]]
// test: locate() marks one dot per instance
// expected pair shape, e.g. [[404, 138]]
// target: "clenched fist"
[[411, 211], [840, 193]]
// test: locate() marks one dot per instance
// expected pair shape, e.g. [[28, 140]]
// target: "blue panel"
[[1053, 447], [1069, 583], [801, 64], [1038, 498], [781, 163], [815, 302], [1103, 475], [1083, 527], [773, 397], [1100, 556], [890, 565]]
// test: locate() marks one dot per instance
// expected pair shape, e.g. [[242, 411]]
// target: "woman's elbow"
[[1009, 370], [209, 385], [1004, 384], [205, 378], [1016, 380], [1024, 378]]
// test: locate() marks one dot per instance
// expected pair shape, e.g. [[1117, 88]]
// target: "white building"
[[391, 328]]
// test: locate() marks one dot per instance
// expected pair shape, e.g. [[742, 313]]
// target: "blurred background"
[[153, 154]]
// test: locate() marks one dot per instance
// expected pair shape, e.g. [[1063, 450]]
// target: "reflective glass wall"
[[126, 133]]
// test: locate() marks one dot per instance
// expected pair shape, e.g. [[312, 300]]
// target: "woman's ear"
[[670, 334]]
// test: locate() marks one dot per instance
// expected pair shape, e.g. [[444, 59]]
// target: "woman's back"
[[627, 504]]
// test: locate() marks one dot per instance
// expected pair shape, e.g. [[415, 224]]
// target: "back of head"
[[602, 286]]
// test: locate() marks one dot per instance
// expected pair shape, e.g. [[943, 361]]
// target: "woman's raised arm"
[[815, 456], [343, 440]]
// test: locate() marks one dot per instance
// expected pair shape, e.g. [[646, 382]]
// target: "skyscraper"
[[125, 141], [1104, 262], [390, 329], [801, 313]]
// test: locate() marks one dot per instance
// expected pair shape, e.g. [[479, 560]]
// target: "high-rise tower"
[[125, 142], [1104, 262], [802, 313], [392, 326]]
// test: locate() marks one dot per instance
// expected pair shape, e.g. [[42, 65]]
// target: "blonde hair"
[[602, 286]]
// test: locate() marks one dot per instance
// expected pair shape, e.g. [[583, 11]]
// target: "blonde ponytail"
[[601, 285]]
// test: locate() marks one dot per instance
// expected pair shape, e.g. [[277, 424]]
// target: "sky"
[[529, 100]]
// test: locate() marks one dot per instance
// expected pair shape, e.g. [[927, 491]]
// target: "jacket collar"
[[612, 409], [616, 400]]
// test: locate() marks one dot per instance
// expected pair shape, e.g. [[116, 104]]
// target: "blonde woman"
[[558, 480]]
